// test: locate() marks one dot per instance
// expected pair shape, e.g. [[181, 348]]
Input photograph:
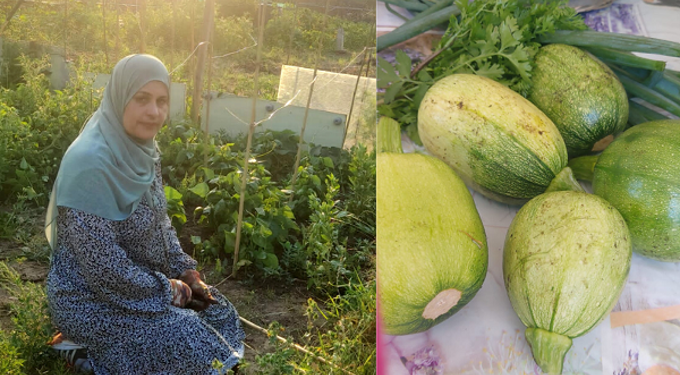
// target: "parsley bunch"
[[496, 39]]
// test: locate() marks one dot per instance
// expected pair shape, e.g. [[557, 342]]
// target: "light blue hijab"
[[106, 172]]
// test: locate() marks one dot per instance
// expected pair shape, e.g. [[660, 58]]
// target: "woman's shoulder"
[[87, 156]]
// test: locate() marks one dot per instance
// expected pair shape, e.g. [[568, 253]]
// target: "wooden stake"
[[65, 29], [290, 40], [11, 14], [354, 95], [206, 135], [172, 34], [251, 130], [294, 345], [369, 55], [309, 101], [208, 17], [106, 42], [142, 25], [116, 52]]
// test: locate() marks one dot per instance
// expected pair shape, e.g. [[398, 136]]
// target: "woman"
[[119, 284]]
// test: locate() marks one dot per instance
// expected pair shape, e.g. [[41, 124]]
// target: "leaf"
[[171, 194], [23, 164], [271, 261], [424, 76], [229, 242], [182, 218], [490, 70], [403, 64], [201, 189], [328, 162], [420, 94], [510, 35], [386, 73], [196, 240], [208, 173], [520, 60], [265, 231], [243, 263], [392, 91], [287, 212]]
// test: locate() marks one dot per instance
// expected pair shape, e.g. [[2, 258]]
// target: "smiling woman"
[[145, 113], [124, 295]]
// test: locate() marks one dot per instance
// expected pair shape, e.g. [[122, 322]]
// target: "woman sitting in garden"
[[120, 288]]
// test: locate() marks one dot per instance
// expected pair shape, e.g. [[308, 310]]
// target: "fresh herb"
[[494, 39]]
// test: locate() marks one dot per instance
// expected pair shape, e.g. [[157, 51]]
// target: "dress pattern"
[[108, 289]]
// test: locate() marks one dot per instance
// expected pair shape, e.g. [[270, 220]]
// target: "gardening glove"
[[181, 293], [200, 294]]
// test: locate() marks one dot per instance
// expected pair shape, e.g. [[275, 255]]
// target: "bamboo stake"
[[106, 42], [116, 52], [309, 101], [141, 13], [369, 54], [193, 25], [290, 40], [208, 18], [206, 136], [294, 345], [251, 129], [172, 35], [370, 60], [65, 29], [354, 95], [10, 15]]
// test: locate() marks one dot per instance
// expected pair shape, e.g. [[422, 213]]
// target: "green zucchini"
[[432, 253], [580, 94], [638, 174], [497, 141], [565, 260]]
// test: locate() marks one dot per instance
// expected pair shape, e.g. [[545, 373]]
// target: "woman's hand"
[[181, 293], [201, 297]]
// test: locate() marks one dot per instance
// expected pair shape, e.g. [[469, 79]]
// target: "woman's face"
[[146, 111]]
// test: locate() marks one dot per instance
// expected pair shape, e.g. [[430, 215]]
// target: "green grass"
[[341, 330], [24, 348]]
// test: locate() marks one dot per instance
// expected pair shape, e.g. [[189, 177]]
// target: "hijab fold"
[[106, 172]]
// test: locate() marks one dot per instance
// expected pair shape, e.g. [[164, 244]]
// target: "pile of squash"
[[567, 253]]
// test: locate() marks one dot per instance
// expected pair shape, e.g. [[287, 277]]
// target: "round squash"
[[580, 94], [638, 174], [432, 252], [497, 141], [565, 260]]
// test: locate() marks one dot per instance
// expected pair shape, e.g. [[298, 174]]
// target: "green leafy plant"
[[36, 127], [32, 326], [349, 340], [491, 38], [176, 211], [10, 359]]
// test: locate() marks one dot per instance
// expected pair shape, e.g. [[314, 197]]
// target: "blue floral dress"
[[108, 290]]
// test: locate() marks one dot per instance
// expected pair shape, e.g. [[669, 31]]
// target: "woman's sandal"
[[74, 354]]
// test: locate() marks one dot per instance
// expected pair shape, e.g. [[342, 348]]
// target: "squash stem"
[[565, 181], [548, 348], [584, 166], [389, 136]]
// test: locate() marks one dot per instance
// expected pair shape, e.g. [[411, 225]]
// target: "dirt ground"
[[260, 304]]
